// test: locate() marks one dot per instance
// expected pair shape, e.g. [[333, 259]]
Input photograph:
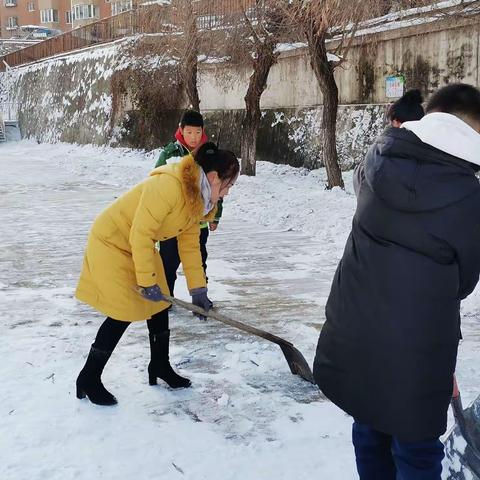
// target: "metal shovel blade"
[[296, 361], [462, 446]]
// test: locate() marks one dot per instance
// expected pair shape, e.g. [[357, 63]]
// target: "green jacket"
[[173, 149], [176, 149]]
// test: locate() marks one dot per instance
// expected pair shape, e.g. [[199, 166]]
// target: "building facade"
[[14, 13]]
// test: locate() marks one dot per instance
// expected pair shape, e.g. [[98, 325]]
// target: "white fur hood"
[[449, 134]]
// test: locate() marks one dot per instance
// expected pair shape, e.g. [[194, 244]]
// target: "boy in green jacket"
[[189, 136]]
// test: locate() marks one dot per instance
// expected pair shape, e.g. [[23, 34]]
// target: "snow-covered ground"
[[246, 417]]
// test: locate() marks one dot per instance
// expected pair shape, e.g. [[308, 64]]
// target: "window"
[[68, 17], [82, 12], [31, 6], [10, 3], [12, 23], [121, 6], [48, 16], [209, 21]]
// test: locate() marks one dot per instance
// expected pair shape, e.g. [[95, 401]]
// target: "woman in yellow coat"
[[122, 274]]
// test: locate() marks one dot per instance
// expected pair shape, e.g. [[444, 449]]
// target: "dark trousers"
[[171, 258], [111, 330], [384, 457]]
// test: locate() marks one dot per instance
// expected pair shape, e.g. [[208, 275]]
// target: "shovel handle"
[[227, 321]]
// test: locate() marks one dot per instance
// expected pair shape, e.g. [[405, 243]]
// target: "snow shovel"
[[464, 455], [296, 361]]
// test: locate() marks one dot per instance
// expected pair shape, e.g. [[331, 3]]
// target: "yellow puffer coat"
[[121, 250]]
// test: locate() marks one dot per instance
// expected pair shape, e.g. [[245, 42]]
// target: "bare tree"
[[264, 36], [322, 21], [189, 44], [254, 34], [265, 57], [173, 28], [330, 27]]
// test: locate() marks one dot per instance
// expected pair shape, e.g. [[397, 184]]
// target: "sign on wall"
[[395, 86]]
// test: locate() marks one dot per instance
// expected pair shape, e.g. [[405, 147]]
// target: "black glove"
[[200, 299], [153, 293]]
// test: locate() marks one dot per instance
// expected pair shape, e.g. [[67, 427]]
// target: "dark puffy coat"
[[387, 351]]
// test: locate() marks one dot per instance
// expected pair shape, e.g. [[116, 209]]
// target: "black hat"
[[191, 118], [407, 108]]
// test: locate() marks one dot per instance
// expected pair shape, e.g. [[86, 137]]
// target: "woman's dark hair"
[[407, 108], [212, 159], [457, 99]]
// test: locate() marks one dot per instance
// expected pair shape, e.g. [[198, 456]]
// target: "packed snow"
[[246, 417]]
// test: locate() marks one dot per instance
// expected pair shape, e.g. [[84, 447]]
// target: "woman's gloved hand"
[[153, 293], [200, 299]]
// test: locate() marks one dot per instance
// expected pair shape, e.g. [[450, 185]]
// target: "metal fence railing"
[[102, 31]]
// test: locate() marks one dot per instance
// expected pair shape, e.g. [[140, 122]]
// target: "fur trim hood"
[[449, 134], [187, 172]]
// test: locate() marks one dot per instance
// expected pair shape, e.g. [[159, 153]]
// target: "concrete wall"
[[428, 59], [70, 98], [64, 99], [294, 136]]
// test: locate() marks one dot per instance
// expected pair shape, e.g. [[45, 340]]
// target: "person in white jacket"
[[387, 349]]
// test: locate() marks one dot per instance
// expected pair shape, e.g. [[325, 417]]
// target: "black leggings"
[[171, 257], [111, 330]]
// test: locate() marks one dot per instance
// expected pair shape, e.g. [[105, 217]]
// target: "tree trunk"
[[326, 81], [329, 122], [191, 59], [191, 88], [248, 146], [251, 120]]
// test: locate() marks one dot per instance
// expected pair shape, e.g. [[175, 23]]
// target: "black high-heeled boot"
[[89, 383], [159, 366]]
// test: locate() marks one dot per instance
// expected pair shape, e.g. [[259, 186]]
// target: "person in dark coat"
[[387, 351], [407, 108]]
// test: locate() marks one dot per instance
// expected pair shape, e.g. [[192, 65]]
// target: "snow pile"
[[357, 128], [294, 199]]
